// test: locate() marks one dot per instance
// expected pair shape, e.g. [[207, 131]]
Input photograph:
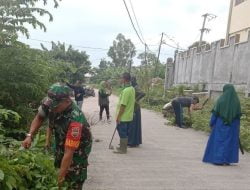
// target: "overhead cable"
[[83, 47], [137, 23], [133, 23]]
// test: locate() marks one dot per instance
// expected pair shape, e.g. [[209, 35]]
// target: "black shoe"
[[183, 127], [218, 164]]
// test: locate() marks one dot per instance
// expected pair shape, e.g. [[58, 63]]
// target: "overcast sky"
[[96, 23]]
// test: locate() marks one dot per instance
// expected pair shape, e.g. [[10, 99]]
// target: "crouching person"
[[181, 102]]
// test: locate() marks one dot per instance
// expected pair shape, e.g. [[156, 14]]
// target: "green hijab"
[[102, 87], [228, 105]]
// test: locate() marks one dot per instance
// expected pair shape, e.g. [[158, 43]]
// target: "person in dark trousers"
[[189, 102], [125, 112], [103, 99], [79, 93], [135, 131]]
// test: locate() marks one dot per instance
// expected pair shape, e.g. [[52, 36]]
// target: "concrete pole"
[[165, 81], [203, 28], [147, 75], [158, 56]]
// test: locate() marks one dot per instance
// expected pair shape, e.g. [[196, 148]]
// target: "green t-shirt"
[[127, 98]]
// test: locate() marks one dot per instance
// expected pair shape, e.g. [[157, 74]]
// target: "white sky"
[[96, 23]]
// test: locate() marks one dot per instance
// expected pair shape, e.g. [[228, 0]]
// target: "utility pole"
[[165, 80], [203, 29], [158, 56], [147, 77]]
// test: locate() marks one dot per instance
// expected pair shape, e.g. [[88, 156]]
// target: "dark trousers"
[[123, 128], [106, 107], [178, 112]]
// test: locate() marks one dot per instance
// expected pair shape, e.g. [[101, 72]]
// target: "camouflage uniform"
[[71, 130]]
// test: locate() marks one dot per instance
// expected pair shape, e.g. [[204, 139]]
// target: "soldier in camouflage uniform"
[[72, 135]]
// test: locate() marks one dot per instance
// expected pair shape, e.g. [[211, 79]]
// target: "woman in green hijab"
[[223, 144], [103, 99]]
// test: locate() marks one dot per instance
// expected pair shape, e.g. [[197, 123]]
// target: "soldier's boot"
[[123, 146]]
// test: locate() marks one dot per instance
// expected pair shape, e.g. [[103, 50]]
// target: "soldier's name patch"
[[74, 131], [72, 144]]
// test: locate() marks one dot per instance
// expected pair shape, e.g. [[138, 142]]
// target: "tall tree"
[[104, 64], [25, 76], [78, 59], [122, 51], [16, 14], [151, 58], [196, 44], [151, 61]]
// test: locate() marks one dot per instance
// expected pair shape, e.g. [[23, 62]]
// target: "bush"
[[201, 118], [26, 169], [21, 170], [245, 124], [8, 118], [201, 121]]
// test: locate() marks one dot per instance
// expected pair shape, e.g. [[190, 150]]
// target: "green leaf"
[[1, 175], [11, 182]]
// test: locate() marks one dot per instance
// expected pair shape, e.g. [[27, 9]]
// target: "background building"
[[239, 20]]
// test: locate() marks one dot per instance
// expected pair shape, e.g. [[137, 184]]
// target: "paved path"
[[169, 159]]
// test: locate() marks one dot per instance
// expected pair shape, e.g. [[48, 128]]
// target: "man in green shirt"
[[124, 112]]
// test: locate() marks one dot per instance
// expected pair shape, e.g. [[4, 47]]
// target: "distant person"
[[103, 99], [124, 112], [179, 103], [223, 143], [135, 130], [79, 93]]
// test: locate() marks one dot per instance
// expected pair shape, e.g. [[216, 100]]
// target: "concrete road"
[[169, 159]]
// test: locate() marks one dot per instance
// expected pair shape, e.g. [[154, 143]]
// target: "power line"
[[133, 23], [155, 52], [170, 38], [153, 45], [174, 46], [137, 23], [176, 43], [170, 45], [83, 47]]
